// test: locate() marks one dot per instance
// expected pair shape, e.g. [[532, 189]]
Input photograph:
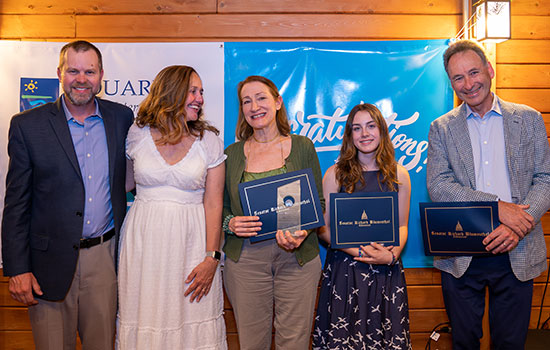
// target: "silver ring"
[[504, 244]]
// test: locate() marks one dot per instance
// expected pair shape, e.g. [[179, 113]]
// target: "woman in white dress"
[[170, 291]]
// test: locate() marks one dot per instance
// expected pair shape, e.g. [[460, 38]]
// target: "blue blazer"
[[44, 203], [451, 177]]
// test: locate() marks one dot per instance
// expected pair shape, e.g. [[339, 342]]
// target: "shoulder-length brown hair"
[[348, 169], [243, 130], [164, 107]]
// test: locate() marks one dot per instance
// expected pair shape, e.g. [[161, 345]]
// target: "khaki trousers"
[[89, 307], [268, 287]]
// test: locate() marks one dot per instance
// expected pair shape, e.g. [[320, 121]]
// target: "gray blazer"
[[451, 177]]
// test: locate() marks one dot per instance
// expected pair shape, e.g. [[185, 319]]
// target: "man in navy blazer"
[[488, 149], [65, 201]]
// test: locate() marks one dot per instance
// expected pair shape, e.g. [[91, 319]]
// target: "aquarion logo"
[[118, 87], [34, 92]]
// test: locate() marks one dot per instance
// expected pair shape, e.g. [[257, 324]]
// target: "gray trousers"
[[89, 307], [268, 287]]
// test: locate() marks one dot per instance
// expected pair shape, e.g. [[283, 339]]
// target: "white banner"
[[129, 70]]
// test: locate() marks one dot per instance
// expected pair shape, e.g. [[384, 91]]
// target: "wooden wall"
[[523, 75]]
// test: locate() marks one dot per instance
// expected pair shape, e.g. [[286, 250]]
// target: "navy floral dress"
[[362, 306]]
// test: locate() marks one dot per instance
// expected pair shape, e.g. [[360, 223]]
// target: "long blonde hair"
[[164, 107], [349, 171]]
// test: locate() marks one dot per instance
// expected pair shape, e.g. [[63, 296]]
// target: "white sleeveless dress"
[[163, 239]]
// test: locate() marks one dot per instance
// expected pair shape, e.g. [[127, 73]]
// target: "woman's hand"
[[245, 226], [201, 276], [290, 241], [375, 253]]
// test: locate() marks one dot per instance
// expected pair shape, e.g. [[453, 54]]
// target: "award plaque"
[[290, 217], [288, 202], [362, 217], [457, 228]]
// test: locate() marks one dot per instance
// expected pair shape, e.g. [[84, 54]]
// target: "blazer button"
[[79, 213], [75, 247]]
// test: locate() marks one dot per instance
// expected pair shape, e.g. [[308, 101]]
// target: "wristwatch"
[[214, 254]]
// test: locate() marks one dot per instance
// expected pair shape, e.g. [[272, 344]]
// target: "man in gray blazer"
[[488, 149], [65, 201]]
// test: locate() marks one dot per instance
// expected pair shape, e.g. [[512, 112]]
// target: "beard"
[[80, 99]]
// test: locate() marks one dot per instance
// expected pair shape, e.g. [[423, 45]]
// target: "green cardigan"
[[302, 156]]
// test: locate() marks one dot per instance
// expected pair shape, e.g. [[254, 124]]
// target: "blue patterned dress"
[[362, 306]]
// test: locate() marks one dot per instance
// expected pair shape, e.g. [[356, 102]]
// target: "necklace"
[[268, 141]]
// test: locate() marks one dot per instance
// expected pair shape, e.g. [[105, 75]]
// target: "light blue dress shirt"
[[489, 151], [90, 145]]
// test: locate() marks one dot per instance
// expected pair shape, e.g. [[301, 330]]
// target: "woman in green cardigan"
[[272, 282]]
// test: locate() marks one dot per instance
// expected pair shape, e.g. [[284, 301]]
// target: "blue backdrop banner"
[[321, 82]]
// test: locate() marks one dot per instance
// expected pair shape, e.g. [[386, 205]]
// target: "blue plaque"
[[457, 228], [283, 202], [363, 217]]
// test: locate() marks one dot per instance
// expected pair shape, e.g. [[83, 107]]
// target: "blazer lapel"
[[512, 140], [460, 134], [58, 121], [110, 132]]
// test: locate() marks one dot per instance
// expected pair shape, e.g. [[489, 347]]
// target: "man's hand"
[[501, 240], [516, 218], [21, 288]]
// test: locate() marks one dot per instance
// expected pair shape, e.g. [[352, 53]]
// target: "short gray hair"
[[461, 46]]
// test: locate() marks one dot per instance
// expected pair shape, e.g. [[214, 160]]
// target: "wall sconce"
[[492, 20]]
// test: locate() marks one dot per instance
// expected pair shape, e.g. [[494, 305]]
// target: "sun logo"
[[31, 86]]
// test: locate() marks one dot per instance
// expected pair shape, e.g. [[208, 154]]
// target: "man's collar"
[[68, 114], [495, 107]]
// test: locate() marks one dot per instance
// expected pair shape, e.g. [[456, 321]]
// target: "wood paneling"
[[23, 340], [530, 27], [424, 320], [545, 219], [538, 288], [425, 297], [14, 319], [106, 7], [523, 76], [267, 26], [16, 340], [230, 324], [233, 341], [422, 276], [524, 51], [535, 315], [539, 99], [37, 27], [530, 7], [419, 341], [341, 6]]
